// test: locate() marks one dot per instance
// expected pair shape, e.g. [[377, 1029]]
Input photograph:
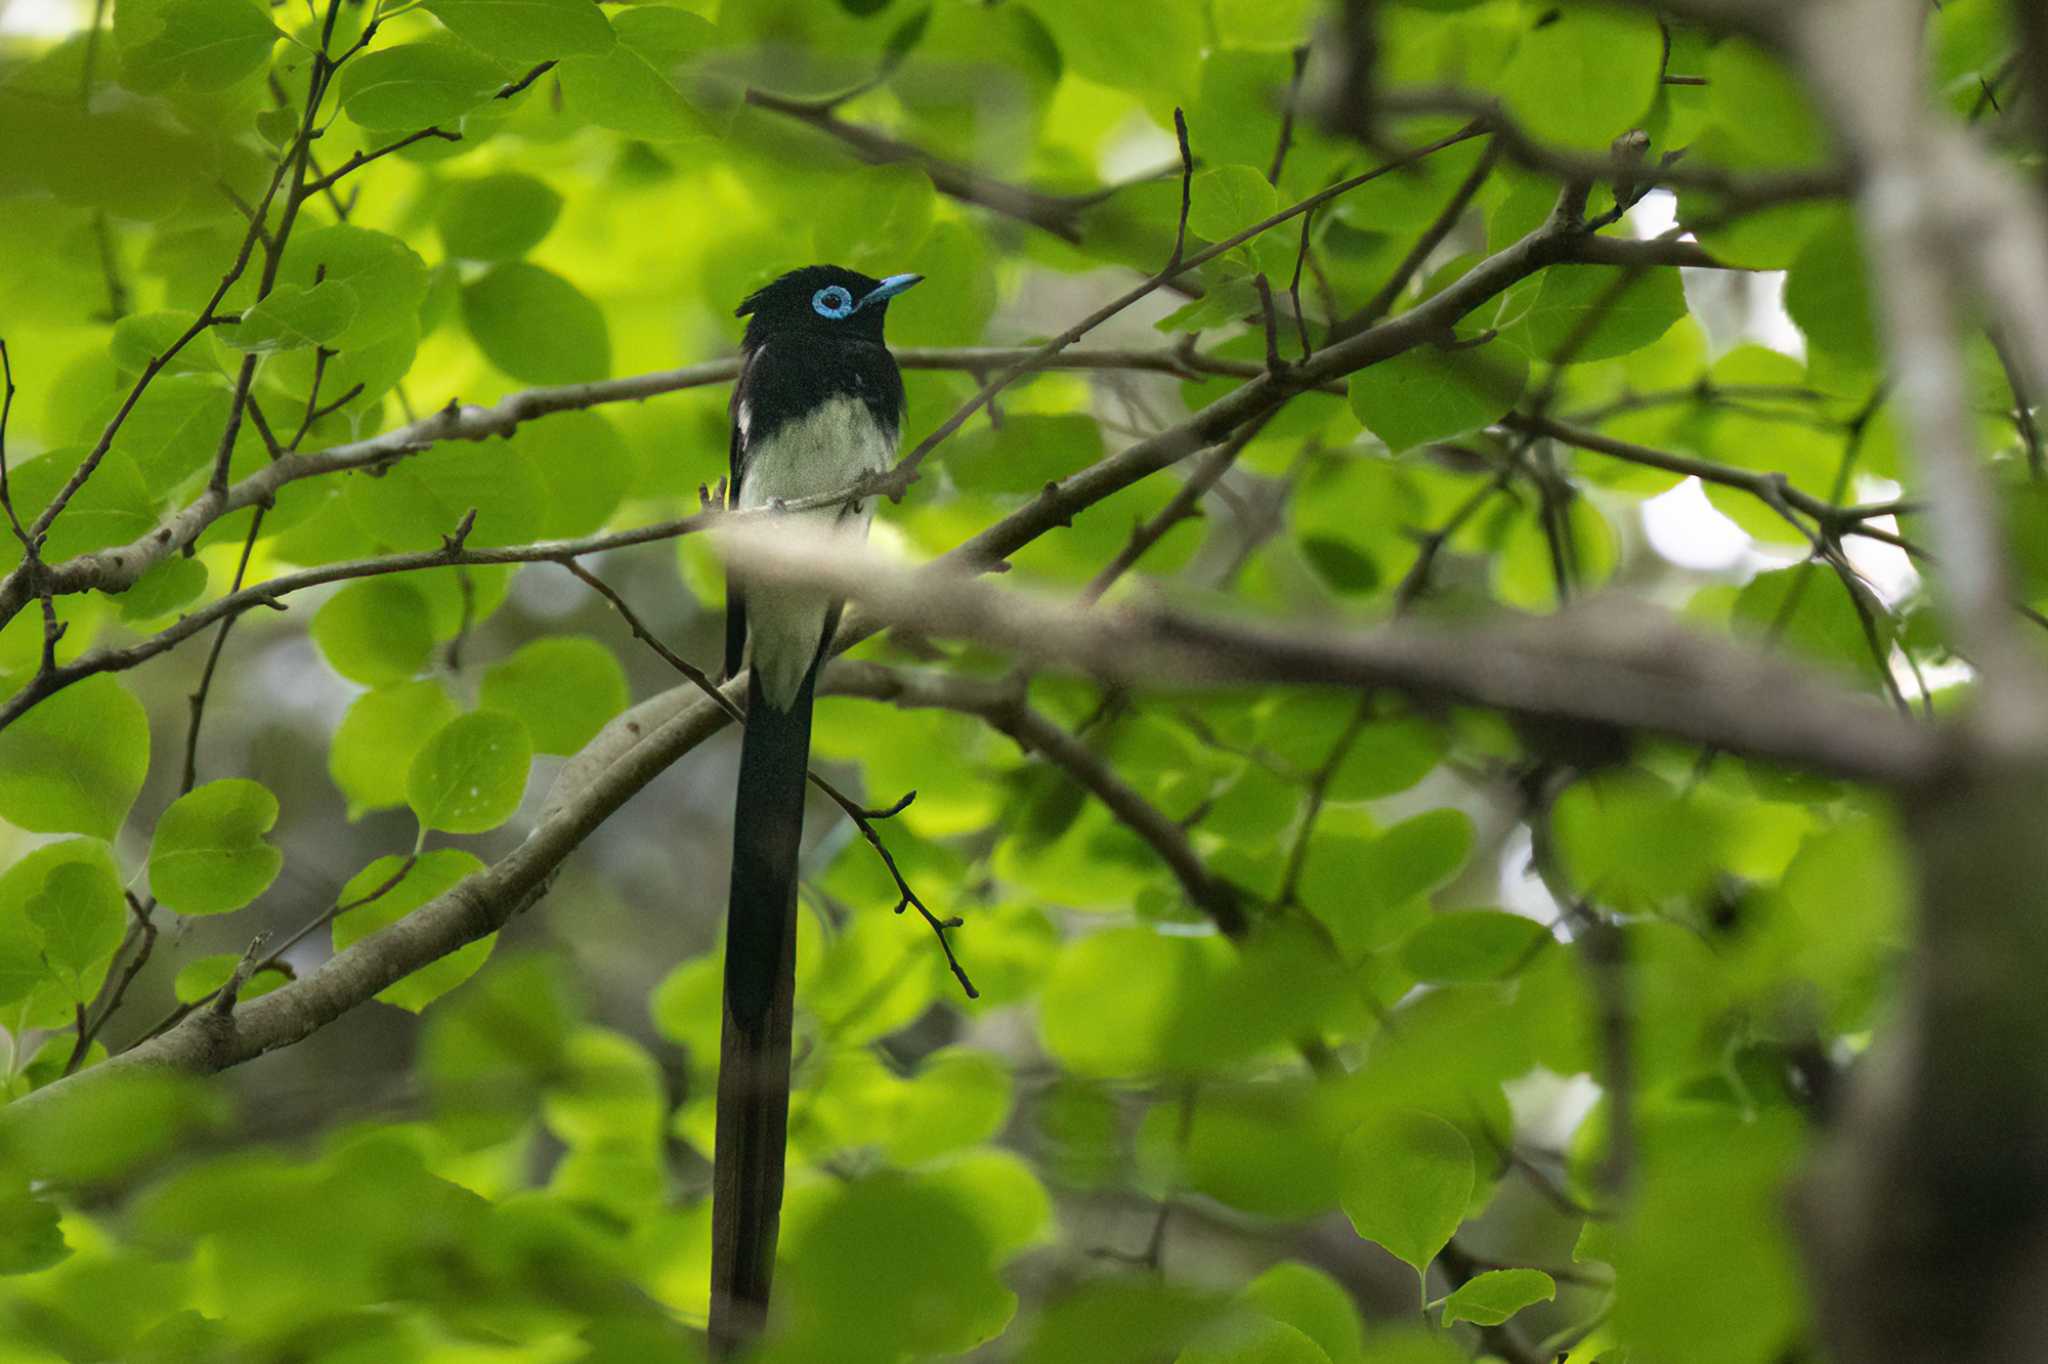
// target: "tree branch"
[[1609, 668]]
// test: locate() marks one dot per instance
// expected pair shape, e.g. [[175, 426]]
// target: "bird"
[[817, 407]]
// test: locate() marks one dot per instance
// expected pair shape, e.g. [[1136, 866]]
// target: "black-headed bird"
[[818, 407]]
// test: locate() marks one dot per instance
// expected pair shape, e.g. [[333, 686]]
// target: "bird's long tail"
[[760, 986]]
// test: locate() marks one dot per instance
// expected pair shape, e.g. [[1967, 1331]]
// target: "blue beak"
[[889, 288]]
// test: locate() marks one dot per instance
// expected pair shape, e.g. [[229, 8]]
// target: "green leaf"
[[1253, 1340], [290, 317], [1225, 201], [1598, 312], [1408, 1179], [387, 278], [197, 44], [1426, 394], [1490, 1298], [114, 507], [163, 587], [1315, 1304], [174, 427], [208, 855], [471, 775], [526, 30], [1149, 48], [22, 969], [536, 326], [375, 745], [415, 85], [1388, 756], [956, 1099], [201, 977], [1583, 75], [375, 631], [1369, 891], [433, 874], [647, 86], [77, 919], [1812, 612], [499, 217], [562, 688], [1827, 295], [938, 1294], [75, 762], [584, 468], [424, 499], [140, 337], [1481, 944], [1631, 839]]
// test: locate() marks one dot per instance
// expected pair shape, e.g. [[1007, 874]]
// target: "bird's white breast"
[[830, 448]]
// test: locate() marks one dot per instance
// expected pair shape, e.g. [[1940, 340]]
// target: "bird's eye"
[[832, 301]]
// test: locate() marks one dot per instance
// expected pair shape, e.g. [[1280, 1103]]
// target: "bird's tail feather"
[[760, 978]]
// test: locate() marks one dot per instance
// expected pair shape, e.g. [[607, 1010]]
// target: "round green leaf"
[[113, 508], [75, 762], [163, 587], [536, 326], [1491, 1298], [563, 689], [1427, 394], [1480, 944], [77, 918], [1254, 1340], [499, 217], [430, 875], [526, 30], [1826, 294], [938, 1294], [1408, 1179], [1598, 312], [470, 776], [1584, 76], [22, 967], [416, 85], [645, 86], [173, 429], [1315, 1304], [375, 631], [198, 44], [289, 317], [208, 855], [375, 745], [584, 468], [1370, 891], [387, 279], [200, 978]]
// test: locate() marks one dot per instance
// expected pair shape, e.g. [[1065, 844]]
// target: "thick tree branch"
[[1612, 668]]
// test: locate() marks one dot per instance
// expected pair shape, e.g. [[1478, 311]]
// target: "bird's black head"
[[826, 301]]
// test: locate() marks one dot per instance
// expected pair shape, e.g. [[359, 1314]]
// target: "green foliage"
[[561, 688], [75, 763], [1491, 1298], [502, 194], [375, 632], [1407, 1178], [208, 855], [470, 775], [535, 325], [371, 756], [389, 889]]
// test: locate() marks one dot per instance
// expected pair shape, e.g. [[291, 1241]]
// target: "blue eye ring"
[[832, 301]]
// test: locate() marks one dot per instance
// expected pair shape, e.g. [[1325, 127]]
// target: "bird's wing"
[[735, 600]]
